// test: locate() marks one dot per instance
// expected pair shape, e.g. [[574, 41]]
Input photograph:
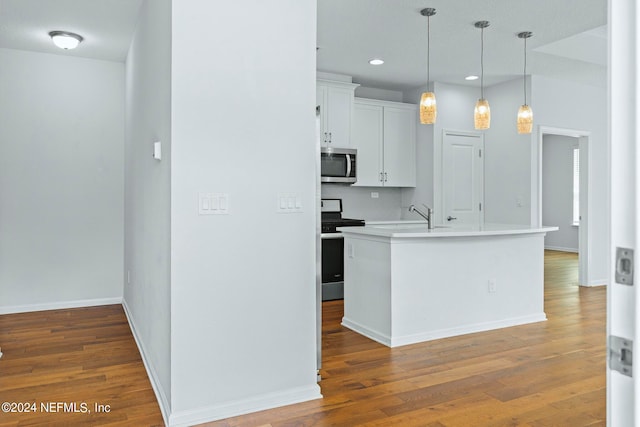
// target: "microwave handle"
[[348, 165]]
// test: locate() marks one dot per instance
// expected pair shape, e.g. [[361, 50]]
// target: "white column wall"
[[243, 284]]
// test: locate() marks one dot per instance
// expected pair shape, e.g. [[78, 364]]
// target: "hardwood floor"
[[83, 355], [544, 374]]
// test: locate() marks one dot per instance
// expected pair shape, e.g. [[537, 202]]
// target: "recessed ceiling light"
[[376, 61], [65, 39], [471, 78]]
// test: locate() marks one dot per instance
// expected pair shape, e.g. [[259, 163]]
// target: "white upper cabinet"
[[336, 110], [384, 133]]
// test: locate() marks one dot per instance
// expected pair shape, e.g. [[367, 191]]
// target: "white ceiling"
[[569, 39], [106, 25], [350, 32]]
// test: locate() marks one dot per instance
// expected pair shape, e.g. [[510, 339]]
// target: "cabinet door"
[[400, 147], [367, 139], [321, 96], [339, 108]]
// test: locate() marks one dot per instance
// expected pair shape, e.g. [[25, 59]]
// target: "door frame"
[[438, 178], [584, 240], [623, 301]]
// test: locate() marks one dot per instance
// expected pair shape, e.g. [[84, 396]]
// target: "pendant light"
[[428, 110], [482, 112], [525, 115]]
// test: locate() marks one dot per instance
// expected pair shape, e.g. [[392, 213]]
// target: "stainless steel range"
[[333, 248]]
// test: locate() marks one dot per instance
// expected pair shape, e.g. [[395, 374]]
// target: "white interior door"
[[623, 319], [462, 178]]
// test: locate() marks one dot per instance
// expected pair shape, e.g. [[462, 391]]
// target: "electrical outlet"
[[492, 286], [375, 194]]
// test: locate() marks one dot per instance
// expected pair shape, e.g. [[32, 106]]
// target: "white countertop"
[[417, 229]]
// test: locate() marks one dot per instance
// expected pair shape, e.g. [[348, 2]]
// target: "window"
[[576, 186]]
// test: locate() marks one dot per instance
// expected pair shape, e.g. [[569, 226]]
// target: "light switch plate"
[[157, 150], [288, 203], [213, 203]]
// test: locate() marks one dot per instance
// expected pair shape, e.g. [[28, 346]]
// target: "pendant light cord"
[[428, 49], [482, 63], [524, 73]]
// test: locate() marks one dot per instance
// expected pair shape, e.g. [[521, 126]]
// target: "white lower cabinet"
[[384, 133]]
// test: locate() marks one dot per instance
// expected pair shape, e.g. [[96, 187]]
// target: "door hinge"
[[621, 355], [624, 266], [480, 153], [480, 206]]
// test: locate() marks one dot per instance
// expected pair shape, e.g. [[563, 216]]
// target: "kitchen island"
[[406, 284]]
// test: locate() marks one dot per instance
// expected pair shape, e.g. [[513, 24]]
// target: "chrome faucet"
[[428, 216]]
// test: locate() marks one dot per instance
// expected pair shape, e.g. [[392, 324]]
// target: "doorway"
[[462, 169], [579, 140]]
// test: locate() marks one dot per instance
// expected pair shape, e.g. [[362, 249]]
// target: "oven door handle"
[[331, 236], [348, 165]]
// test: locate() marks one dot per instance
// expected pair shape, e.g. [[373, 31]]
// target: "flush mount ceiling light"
[[376, 61], [65, 39], [428, 110], [471, 78], [525, 115], [482, 112]]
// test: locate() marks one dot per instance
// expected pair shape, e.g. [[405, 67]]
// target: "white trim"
[[585, 234], [61, 305], [442, 333], [163, 402], [561, 249], [244, 406], [383, 339]]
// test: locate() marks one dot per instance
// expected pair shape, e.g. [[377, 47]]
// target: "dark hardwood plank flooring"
[[76, 356], [545, 374]]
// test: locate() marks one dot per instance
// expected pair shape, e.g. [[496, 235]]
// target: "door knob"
[[451, 218]]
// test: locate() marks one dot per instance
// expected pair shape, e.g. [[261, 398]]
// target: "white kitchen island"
[[406, 284]]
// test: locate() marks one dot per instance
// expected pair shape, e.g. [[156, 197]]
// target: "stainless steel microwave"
[[338, 165]]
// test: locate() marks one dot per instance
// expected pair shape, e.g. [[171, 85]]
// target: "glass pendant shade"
[[525, 119], [428, 110], [482, 114]]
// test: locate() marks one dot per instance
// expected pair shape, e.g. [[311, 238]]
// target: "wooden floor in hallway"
[[544, 374]]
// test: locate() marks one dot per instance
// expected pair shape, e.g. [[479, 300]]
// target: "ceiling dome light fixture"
[[376, 61], [65, 39], [482, 112], [472, 77], [428, 110], [525, 115]]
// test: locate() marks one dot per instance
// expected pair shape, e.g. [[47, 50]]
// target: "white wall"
[[507, 163], [147, 296], [358, 203], [569, 105], [557, 192], [243, 284], [61, 181]]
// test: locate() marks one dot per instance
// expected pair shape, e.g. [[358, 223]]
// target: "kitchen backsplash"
[[358, 203]]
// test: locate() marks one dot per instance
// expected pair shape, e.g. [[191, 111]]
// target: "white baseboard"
[[383, 339], [161, 397], [244, 406], [441, 333], [11, 309], [562, 249]]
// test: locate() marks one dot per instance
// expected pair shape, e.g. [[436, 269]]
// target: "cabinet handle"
[[325, 137], [385, 177], [330, 138], [381, 177]]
